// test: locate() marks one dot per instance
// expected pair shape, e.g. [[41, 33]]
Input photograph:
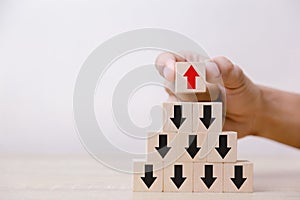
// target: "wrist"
[[260, 118], [276, 117]]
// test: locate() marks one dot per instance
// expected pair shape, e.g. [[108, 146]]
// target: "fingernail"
[[169, 71], [212, 69]]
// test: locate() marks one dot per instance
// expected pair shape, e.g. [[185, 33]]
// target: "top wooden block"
[[189, 77]]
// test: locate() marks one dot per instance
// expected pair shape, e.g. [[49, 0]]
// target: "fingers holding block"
[[146, 178], [238, 177]]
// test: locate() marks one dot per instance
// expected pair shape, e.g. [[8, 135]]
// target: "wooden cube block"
[[207, 117], [189, 77], [225, 148], [208, 177], [190, 145], [162, 147], [177, 117], [147, 177], [238, 177], [178, 177]]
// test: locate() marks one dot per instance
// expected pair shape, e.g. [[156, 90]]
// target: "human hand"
[[243, 97]]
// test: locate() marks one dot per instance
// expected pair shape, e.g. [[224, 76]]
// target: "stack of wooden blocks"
[[175, 163]]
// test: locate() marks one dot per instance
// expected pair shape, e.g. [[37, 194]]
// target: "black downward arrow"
[[192, 149], [178, 179], [177, 119], [238, 179], [223, 149], [163, 149], [207, 120], [148, 179], [208, 179]]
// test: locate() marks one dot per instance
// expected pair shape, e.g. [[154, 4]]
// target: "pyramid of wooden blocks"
[[192, 154]]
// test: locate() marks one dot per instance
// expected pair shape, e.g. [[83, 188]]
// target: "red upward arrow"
[[191, 77]]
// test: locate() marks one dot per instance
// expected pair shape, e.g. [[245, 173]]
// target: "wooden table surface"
[[82, 177]]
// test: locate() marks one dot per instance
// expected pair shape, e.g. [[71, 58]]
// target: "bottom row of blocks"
[[194, 177]]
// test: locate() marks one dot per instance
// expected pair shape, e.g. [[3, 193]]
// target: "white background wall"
[[44, 43]]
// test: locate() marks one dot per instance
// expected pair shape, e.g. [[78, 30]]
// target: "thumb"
[[232, 75]]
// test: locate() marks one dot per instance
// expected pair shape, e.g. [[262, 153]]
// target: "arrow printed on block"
[[178, 179], [208, 179], [238, 179], [192, 149], [148, 179], [177, 119], [223, 149], [162, 148], [207, 120], [191, 75]]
